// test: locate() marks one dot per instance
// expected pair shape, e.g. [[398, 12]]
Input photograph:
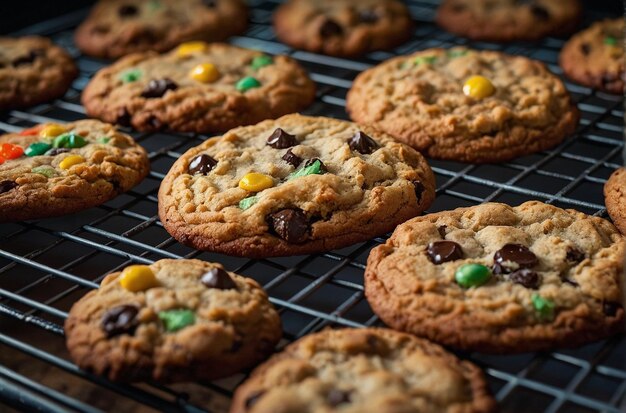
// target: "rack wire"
[[47, 265]]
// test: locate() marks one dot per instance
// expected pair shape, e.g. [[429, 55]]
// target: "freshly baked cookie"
[[595, 56], [364, 370], [295, 185], [33, 70], [174, 320], [465, 105], [509, 20], [53, 169], [198, 88], [615, 198], [343, 27], [499, 279], [116, 28]]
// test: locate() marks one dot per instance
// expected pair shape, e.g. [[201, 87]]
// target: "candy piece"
[[120, 320], [279, 139], [70, 161], [610, 41], [130, 75], [218, 278], [330, 28], [478, 87], [52, 131], [291, 158], [362, 143], [37, 148], [261, 61], [6, 186], [158, 87], [291, 225], [526, 277], [205, 73], [174, 320], [31, 131], [574, 255], [311, 167], [428, 60], [201, 164], [191, 48], [544, 307], [247, 83], [154, 5], [11, 151], [472, 275], [138, 278], [69, 140], [517, 254], [1, 160], [248, 202], [419, 190], [444, 251], [454, 53], [256, 182], [44, 170], [56, 151], [103, 140]]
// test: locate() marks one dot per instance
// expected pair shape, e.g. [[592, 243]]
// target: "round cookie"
[[198, 88], [174, 320], [296, 185], [595, 56], [364, 370], [615, 198], [52, 169], [465, 105], [499, 279], [115, 28], [509, 20], [343, 27], [33, 70]]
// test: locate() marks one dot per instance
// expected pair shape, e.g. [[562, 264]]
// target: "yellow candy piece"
[[255, 182], [70, 161], [190, 48], [204, 73], [138, 278], [52, 131], [478, 87]]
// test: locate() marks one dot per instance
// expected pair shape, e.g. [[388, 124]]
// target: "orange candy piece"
[[10, 151], [31, 131]]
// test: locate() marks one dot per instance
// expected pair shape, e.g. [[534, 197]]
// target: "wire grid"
[[47, 265]]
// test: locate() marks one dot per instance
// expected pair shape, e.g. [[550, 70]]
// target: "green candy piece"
[[130, 75], [543, 306], [247, 83], [472, 275], [103, 140], [248, 202], [69, 140], [610, 40], [456, 53], [154, 5], [261, 61], [175, 320], [425, 60], [37, 148], [314, 169], [44, 170]]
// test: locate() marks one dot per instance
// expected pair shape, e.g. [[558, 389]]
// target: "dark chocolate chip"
[[201, 164], [526, 277], [146, 36], [218, 278], [368, 16], [26, 59], [123, 117], [442, 230], [279, 139], [610, 308], [210, 3], [311, 161], [330, 28], [127, 10], [419, 190], [237, 344], [6, 186], [253, 398], [519, 254], [585, 48], [574, 255], [362, 143], [157, 88], [291, 225], [540, 12], [336, 397], [120, 320], [292, 159], [56, 151], [444, 251]]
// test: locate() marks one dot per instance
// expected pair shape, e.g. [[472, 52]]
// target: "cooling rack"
[[47, 265]]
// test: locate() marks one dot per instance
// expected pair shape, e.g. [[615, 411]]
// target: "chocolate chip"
[[6, 186], [336, 397], [279, 139], [26, 59], [524, 276], [419, 190], [201, 164], [519, 254], [442, 230], [570, 282], [210, 3], [253, 398], [289, 224], [444, 251], [100, 29], [218, 278], [146, 36], [585, 48], [330, 28], [610, 308], [127, 10], [56, 151], [120, 320], [157, 88], [237, 344], [123, 117], [368, 16], [574, 255], [362, 143], [311, 161], [540, 12], [292, 159]]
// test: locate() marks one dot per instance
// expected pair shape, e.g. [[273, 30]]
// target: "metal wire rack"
[[47, 265]]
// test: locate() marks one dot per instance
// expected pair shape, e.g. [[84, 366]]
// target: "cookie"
[[33, 70], [174, 320], [499, 279], [296, 185], [509, 20], [364, 370], [52, 169], [198, 88], [115, 28], [465, 105], [595, 56], [343, 27], [615, 198]]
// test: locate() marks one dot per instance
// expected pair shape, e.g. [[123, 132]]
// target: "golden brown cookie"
[[615, 198]]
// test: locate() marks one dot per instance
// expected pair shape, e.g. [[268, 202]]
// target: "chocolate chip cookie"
[[615, 198], [595, 56], [364, 370], [296, 185], [499, 279], [509, 20], [115, 28], [198, 88], [174, 320], [33, 70], [343, 27], [465, 105], [52, 169]]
